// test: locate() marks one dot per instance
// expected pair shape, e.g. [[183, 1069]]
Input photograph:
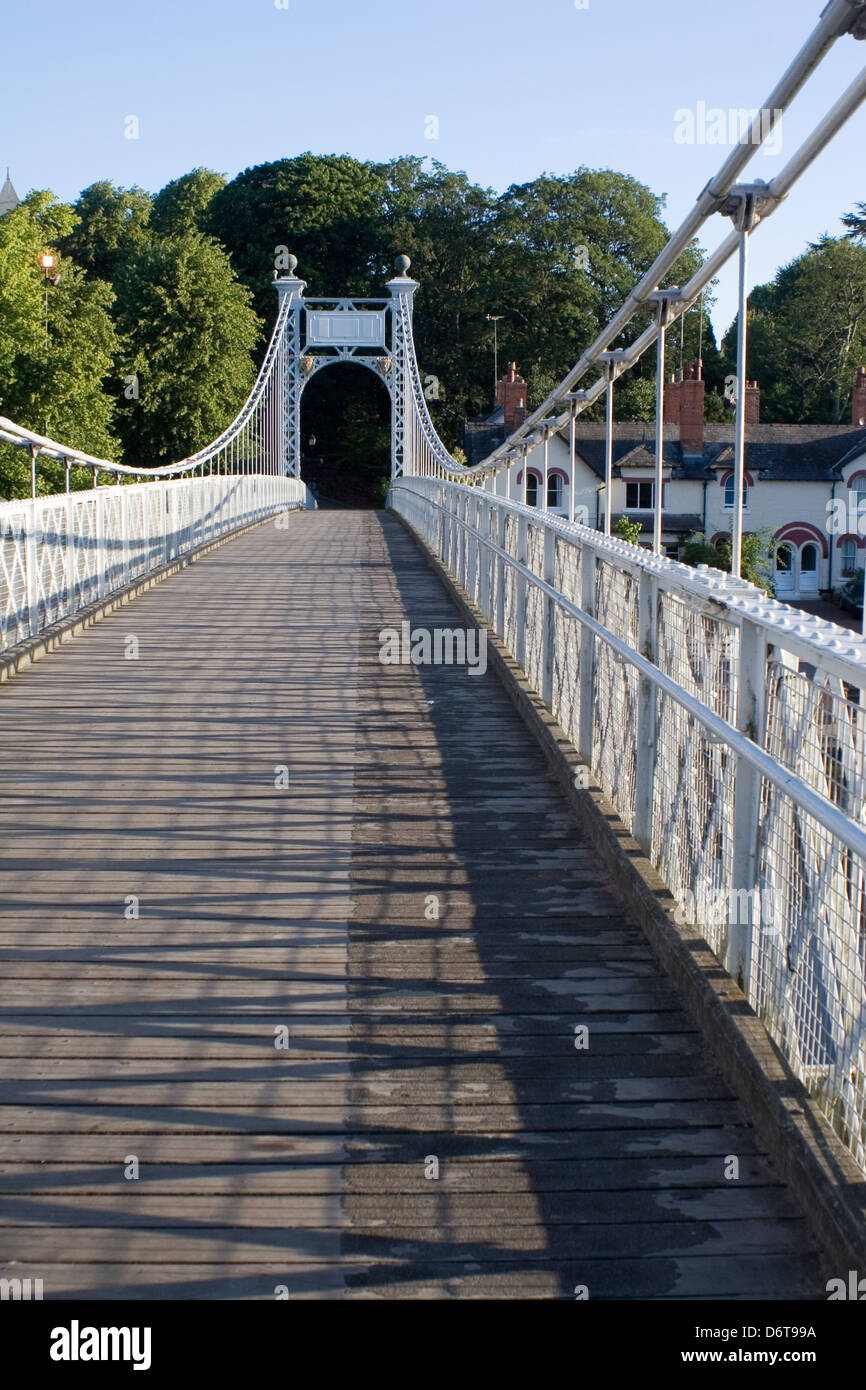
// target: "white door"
[[784, 571], [808, 570]]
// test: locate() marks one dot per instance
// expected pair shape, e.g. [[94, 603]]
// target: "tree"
[[52, 384], [183, 204], [571, 249], [325, 209], [111, 225], [756, 555], [627, 530], [187, 332], [856, 223], [807, 333], [445, 223]]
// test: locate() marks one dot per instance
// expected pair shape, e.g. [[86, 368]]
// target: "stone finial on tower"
[[402, 264]]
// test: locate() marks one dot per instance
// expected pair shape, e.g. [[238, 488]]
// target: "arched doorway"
[[346, 436]]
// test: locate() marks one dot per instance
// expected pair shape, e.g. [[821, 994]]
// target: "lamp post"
[[46, 260], [494, 319]]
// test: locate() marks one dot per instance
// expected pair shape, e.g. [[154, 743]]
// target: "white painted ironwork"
[[60, 553], [742, 775]]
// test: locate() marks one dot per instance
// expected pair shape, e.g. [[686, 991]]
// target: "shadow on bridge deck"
[[414, 1040]]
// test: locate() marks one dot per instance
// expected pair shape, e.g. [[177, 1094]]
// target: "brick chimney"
[[672, 400], [691, 394], [511, 393], [858, 400], [753, 403]]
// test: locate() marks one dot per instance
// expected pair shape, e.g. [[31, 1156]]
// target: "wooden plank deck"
[[411, 1038]]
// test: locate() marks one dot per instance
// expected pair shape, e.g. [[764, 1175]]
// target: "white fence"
[[60, 553], [727, 731]]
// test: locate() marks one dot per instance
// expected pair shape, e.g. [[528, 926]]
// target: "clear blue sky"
[[518, 89]]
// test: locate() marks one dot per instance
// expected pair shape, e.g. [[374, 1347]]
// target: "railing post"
[[520, 592], [166, 523], [586, 723], [548, 618], [745, 868], [645, 740]]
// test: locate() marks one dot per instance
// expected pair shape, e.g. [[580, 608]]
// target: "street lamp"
[[494, 319], [46, 260]]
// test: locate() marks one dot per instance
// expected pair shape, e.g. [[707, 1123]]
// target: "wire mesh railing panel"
[[808, 967], [616, 600], [136, 534], [616, 692], [52, 590], [566, 667], [14, 619], [700, 652], [818, 731], [693, 804], [84, 551]]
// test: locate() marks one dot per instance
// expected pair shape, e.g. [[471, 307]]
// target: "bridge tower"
[[372, 333]]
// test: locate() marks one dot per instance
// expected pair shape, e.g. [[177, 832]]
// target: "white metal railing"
[[62, 552], [727, 731]]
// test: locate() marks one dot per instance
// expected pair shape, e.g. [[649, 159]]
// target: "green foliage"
[[756, 559], [807, 334], [326, 209], [111, 226], [856, 223], [51, 385], [627, 530], [182, 206], [187, 332]]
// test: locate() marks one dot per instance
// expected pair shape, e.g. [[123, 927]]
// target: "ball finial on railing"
[[291, 264], [402, 265]]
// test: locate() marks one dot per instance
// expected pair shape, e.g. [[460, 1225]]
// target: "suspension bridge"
[[326, 975]]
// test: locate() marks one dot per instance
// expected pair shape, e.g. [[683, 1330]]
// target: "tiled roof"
[[795, 453]]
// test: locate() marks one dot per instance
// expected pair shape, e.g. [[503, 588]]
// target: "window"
[[730, 491], [554, 490], [531, 490], [639, 497], [849, 556], [784, 559], [860, 494], [809, 559]]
